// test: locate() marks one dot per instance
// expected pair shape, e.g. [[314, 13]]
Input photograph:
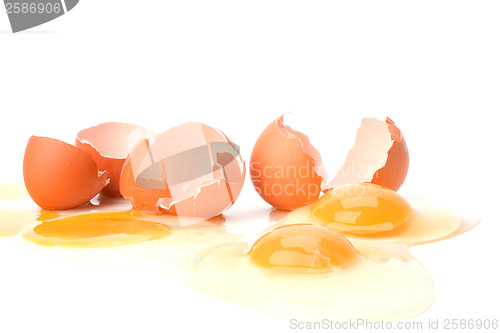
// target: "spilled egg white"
[[379, 286], [385, 283], [429, 223]]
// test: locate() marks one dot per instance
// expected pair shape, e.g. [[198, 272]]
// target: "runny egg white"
[[312, 264], [379, 285]]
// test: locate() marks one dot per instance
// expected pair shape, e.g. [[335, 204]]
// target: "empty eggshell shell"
[[288, 172], [283, 167], [379, 156], [189, 170], [393, 174], [58, 175], [109, 145]]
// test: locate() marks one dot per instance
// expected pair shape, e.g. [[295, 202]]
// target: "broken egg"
[[58, 175], [288, 172], [109, 145], [303, 248], [369, 214], [304, 266], [362, 209], [189, 170], [95, 230], [342, 255], [312, 272]]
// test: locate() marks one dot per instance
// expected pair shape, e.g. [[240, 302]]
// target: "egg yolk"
[[13, 222], [362, 209], [96, 230], [307, 247]]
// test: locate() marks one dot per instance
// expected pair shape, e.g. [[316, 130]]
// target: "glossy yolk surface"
[[362, 209], [303, 246], [97, 230]]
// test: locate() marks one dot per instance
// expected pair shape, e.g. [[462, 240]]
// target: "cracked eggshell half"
[[58, 175], [379, 156], [288, 172], [283, 167], [393, 173], [109, 144], [189, 170]]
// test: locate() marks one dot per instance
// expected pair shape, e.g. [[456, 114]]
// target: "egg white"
[[387, 282]]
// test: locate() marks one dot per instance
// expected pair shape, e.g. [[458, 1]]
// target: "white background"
[[432, 66]]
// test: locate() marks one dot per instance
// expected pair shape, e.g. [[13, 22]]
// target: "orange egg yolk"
[[304, 247], [96, 230], [362, 209]]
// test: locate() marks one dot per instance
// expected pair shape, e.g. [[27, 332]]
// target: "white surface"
[[431, 66]]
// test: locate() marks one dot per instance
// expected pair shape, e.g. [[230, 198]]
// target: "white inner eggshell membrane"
[[113, 139], [373, 141], [340, 162]]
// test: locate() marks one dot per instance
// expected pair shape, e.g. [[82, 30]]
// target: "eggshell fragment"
[[393, 173], [109, 145], [58, 175], [379, 156], [282, 172], [189, 170]]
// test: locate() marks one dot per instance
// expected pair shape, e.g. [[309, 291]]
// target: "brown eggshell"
[[144, 199], [58, 175], [393, 174], [379, 156], [109, 145], [164, 158], [282, 172]]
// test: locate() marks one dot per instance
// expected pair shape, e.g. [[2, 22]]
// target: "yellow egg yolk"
[[97, 230], [362, 209], [305, 247]]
